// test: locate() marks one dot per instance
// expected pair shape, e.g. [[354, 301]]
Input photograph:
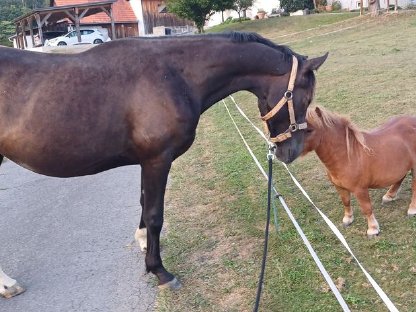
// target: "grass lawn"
[[216, 198]]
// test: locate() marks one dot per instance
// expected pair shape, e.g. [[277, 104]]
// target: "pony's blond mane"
[[329, 119]]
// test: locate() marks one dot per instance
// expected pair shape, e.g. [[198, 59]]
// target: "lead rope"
[[270, 156]]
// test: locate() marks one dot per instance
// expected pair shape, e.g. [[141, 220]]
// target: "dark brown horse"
[[139, 101]]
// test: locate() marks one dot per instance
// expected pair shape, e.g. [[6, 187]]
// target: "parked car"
[[91, 35]]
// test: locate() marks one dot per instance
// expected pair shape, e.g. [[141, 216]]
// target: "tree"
[[294, 5], [222, 5], [198, 11], [241, 6]]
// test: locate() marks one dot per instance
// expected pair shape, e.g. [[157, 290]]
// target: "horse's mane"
[[327, 119]]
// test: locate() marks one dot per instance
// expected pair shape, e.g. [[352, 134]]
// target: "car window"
[[71, 34]]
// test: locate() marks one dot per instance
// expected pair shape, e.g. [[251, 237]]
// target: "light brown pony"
[[357, 160]]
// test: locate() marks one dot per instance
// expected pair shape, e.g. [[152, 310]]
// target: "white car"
[[91, 35]]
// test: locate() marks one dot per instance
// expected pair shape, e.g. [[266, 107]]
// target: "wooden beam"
[[77, 25], [39, 22], [110, 14], [83, 13], [29, 21], [23, 25]]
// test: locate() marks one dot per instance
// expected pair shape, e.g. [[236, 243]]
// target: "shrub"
[[336, 6], [295, 5]]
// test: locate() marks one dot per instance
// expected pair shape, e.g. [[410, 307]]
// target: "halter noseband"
[[287, 98]]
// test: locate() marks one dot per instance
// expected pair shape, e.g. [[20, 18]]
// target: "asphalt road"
[[66, 241]]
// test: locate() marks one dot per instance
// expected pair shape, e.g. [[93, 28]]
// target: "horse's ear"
[[315, 63], [318, 111]]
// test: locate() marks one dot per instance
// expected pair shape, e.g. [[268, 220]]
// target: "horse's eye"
[[309, 130]]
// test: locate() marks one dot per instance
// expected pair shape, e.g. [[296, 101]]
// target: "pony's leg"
[[367, 210], [141, 233], [8, 286], [412, 208], [391, 194], [155, 173], [346, 200]]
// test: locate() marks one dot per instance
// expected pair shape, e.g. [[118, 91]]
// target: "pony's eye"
[[309, 130]]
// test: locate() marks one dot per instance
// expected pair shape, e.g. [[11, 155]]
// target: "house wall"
[[355, 4]]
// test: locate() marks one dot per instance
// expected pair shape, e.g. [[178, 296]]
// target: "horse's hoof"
[[12, 291], [411, 215], [387, 199], [372, 234], [141, 237], [172, 285], [347, 221]]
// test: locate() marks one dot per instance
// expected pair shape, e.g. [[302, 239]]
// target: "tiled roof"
[[122, 11]]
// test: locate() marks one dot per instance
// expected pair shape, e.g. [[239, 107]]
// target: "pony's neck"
[[332, 149]]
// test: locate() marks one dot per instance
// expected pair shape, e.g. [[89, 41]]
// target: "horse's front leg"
[[141, 233], [155, 173], [346, 201], [364, 200], [8, 286]]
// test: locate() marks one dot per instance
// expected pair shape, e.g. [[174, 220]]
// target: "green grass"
[[216, 198]]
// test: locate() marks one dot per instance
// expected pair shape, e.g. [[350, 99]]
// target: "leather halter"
[[287, 98]]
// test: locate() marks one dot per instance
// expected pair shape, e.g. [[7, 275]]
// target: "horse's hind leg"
[[8, 286], [141, 233], [412, 207], [391, 194]]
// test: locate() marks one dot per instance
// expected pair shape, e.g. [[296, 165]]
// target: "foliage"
[[222, 5], [336, 5], [198, 11], [12, 9], [242, 5], [295, 5]]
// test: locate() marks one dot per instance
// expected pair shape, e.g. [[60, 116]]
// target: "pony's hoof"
[[172, 285], [12, 291], [387, 198], [373, 234], [411, 214], [347, 221]]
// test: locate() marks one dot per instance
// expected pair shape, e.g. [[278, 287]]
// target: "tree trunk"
[[222, 16], [374, 7]]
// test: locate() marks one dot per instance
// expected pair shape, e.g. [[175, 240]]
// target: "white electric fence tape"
[[298, 228], [331, 225]]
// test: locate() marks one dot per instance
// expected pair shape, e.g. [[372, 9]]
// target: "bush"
[[295, 5], [336, 6]]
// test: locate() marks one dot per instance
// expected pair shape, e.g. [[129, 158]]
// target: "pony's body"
[[139, 101], [357, 161]]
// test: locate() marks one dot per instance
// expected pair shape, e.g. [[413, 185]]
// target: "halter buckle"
[[294, 127], [288, 95]]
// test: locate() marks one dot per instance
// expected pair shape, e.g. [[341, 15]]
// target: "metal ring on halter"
[[288, 95], [293, 127]]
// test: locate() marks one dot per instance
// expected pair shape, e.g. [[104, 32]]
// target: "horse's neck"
[[230, 67]]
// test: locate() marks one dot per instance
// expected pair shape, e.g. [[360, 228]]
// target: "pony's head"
[[322, 122]]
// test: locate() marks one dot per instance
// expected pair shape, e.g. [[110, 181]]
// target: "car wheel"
[[96, 41], [61, 43]]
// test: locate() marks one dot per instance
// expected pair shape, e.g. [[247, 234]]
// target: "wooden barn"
[[119, 18]]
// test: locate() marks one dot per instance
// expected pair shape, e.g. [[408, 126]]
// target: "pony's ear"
[[318, 111], [315, 63]]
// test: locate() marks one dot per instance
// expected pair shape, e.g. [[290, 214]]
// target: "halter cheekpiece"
[[287, 98]]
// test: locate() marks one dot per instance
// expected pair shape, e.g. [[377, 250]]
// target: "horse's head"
[[293, 92]]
